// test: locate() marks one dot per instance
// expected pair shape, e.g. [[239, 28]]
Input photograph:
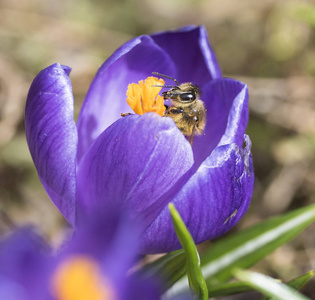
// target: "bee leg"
[[175, 111], [172, 111], [191, 138], [125, 114]]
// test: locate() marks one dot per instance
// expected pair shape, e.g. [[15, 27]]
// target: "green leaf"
[[195, 277], [226, 289], [244, 249], [269, 286], [297, 283], [236, 287]]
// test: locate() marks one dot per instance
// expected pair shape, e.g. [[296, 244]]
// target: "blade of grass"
[[297, 283], [244, 249], [231, 288], [248, 247], [195, 277], [269, 286]]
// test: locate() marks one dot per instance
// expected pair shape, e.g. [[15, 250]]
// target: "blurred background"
[[267, 44]]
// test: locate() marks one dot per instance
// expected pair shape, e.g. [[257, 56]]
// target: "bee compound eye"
[[188, 96]]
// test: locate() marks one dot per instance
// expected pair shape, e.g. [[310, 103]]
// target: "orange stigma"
[[79, 278], [144, 97]]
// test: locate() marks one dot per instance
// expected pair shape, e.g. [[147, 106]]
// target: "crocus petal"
[[143, 289], [210, 203], [191, 52], [226, 101], [24, 261], [52, 136], [131, 165], [11, 290], [104, 238], [106, 98]]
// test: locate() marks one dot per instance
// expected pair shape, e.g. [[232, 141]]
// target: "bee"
[[186, 109]]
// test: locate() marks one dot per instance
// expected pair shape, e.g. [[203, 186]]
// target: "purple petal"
[[142, 289], [24, 262], [105, 236], [11, 290], [139, 163], [210, 203], [226, 101], [192, 54], [106, 98], [52, 136]]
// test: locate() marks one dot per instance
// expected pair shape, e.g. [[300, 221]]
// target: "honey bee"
[[186, 109]]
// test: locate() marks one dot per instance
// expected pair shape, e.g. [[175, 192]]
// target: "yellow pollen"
[[80, 278], [144, 97]]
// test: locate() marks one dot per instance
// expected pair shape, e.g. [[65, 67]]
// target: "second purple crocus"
[[93, 265], [141, 163]]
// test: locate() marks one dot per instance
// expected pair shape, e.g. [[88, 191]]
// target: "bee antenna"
[[165, 76], [165, 86]]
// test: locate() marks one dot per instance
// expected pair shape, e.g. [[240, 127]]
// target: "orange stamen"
[[80, 278], [144, 97]]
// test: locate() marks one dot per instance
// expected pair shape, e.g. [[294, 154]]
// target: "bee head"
[[185, 93]]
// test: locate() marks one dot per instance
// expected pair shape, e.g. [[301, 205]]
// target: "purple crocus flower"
[[93, 265], [141, 163]]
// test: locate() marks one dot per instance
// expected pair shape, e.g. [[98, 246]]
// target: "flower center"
[[80, 278], [144, 96]]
